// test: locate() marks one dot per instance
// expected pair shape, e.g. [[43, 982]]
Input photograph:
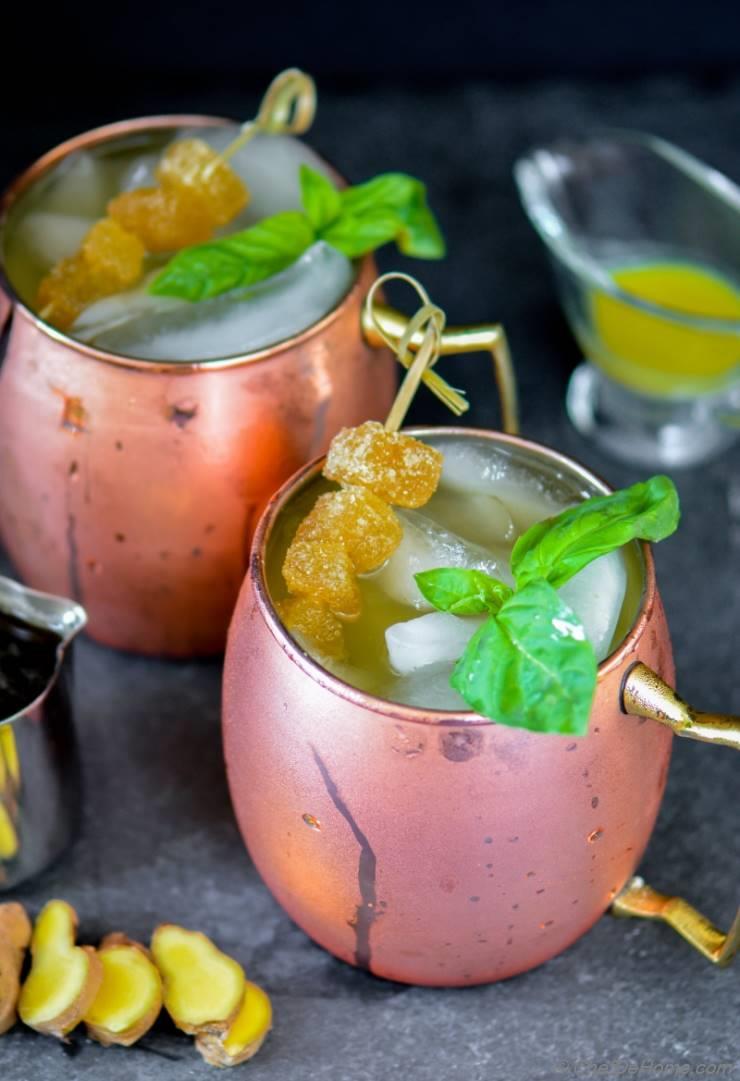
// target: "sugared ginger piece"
[[317, 565], [198, 192], [399, 469], [353, 531], [370, 530], [191, 166], [109, 261], [313, 620], [162, 220]]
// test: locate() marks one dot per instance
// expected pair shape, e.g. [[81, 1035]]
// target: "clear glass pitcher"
[[645, 244], [40, 794]]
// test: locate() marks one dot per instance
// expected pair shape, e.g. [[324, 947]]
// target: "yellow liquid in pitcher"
[[656, 355]]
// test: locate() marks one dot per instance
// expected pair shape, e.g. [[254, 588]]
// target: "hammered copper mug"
[[134, 485], [439, 848]]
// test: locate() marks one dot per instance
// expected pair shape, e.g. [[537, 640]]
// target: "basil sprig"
[[530, 664], [355, 221]]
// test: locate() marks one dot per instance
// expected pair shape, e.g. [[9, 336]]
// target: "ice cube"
[[426, 545], [78, 186], [596, 595], [46, 236], [437, 636], [236, 322], [426, 688], [140, 172], [115, 312], [480, 470], [476, 516]]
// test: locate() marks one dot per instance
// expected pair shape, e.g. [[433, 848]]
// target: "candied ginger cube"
[[192, 165], [318, 565], [63, 293], [314, 621], [163, 220], [396, 467], [113, 254], [369, 528], [109, 261]]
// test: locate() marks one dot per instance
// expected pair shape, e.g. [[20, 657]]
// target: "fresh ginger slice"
[[9, 762], [398, 468], [203, 988], [247, 1032], [129, 999], [9, 844], [64, 978], [15, 934]]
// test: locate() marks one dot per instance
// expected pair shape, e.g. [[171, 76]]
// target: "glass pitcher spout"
[[58, 615]]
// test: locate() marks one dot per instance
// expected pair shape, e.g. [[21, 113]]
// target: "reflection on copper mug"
[[134, 485], [438, 848]]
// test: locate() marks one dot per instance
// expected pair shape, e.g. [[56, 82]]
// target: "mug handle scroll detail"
[[485, 338], [645, 694]]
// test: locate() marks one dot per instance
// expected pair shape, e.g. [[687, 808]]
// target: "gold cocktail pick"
[[429, 321]]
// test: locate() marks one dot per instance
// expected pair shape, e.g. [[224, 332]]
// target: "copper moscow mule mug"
[[133, 485], [439, 848]]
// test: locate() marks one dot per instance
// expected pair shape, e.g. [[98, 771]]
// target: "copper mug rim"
[[105, 133], [395, 710]]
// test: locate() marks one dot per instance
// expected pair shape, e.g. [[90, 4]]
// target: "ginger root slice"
[[15, 934], [64, 978], [129, 999], [246, 1035], [203, 987]]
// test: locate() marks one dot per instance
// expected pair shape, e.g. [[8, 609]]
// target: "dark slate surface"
[[159, 840]]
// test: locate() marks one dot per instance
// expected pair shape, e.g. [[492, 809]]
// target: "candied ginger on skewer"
[[163, 220], [192, 166], [198, 192], [109, 261], [398, 468], [314, 621]]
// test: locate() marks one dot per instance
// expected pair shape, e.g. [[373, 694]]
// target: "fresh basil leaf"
[[321, 200], [531, 665], [462, 592], [418, 234], [356, 236], [559, 547], [207, 270], [421, 235], [394, 190]]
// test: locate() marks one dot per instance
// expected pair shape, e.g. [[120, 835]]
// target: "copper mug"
[[438, 848], [134, 486]]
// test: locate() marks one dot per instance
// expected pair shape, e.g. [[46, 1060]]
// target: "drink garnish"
[[197, 192], [530, 665], [354, 221], [354, 530]]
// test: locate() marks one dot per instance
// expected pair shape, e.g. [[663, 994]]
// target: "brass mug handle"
[[645, 694], [485, 338]]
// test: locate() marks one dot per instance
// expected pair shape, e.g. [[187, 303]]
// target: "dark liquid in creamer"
[[28, 658]]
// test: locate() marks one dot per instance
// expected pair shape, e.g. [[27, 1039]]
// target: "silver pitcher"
[[40, 794]]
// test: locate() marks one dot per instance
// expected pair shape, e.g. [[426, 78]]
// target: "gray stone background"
[[159, 841]]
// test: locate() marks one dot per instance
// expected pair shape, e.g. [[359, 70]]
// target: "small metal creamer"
[[40, 792]]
